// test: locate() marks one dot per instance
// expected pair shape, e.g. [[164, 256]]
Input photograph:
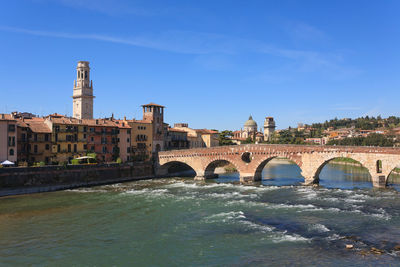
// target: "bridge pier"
[[311, 180], [379, 181], [248, 178]]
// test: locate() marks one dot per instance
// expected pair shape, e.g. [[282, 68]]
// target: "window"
[[11, 127], [84, 129], [127, 140], [11, 152], [84, 136], [129, 131], [58, 148], [75, 148], [85, 146], [92, 130], [46, 137], [91, 139], [11, 141], [104, 149], [47, 147], [379, 166], [85, 74], [35, 150], [35, 137], [92, 148], [69, 147], [128, 150], [57, 128], [141, 145], [23, 137]]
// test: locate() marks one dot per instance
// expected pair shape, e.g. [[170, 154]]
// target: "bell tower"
[[269, 128], [83, 92]]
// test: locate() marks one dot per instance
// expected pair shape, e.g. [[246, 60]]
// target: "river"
[[180, 222]]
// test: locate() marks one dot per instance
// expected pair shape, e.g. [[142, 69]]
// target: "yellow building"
[[141, 139], [69, 137], [199, 137]]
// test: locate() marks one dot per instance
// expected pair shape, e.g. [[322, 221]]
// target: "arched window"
[[11, 152], [379, 166]]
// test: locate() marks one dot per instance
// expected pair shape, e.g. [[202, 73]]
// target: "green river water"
[[180, 222]]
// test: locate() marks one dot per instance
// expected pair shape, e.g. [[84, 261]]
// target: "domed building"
[[250, 130], [250, 126]]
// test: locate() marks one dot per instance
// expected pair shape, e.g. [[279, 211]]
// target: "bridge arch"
[[355, 160], [210, 166], [393, 178], [179, 168], [261, 163]]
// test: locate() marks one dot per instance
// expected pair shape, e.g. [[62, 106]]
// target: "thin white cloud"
[[198, 43], [303, 31], [108, 7]]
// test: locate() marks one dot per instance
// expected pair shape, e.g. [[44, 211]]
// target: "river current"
[[181, 222]]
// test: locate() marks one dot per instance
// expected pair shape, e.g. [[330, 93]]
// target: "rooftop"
[[153, 105]]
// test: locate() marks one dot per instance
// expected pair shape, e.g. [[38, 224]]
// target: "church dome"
[[250, 123]]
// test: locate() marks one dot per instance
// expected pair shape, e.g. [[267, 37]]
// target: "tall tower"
[[83, 92], [269, 128], [155, 114]]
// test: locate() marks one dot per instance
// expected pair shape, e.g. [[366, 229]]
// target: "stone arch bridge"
[[250, 160]]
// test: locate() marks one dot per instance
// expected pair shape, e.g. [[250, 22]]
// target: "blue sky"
[[211, 63]]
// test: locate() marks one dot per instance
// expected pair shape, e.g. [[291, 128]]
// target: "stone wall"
[[50, 178]]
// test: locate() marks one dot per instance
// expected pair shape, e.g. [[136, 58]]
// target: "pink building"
[[8, 138], [124, 140]]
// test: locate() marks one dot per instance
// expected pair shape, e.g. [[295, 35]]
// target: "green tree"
[[224, 138]]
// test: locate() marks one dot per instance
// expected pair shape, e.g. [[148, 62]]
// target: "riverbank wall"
[[27, 180]]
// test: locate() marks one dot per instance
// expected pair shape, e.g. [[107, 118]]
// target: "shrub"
[[75, 161]]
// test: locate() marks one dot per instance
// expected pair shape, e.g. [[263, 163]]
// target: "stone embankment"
[[26, 180]]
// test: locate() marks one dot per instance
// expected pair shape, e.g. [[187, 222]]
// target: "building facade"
[[176, 139], [102, 139], [198, 137], [8, 138], [83, 92], [34, 144], [154, 113], [69, 137], [141, 139]]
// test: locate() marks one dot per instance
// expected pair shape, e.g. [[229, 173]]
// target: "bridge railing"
[[321, 148]]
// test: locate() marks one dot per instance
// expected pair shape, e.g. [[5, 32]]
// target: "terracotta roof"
[[6, 117], [39, 127], [99, 122], [205, 131], [176, 130], [65, 120], [122, 124], [153, 104], [21, 123], [55, 115], [140, 121]]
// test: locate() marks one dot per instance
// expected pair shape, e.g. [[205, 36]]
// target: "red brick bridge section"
[[250, 160]]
